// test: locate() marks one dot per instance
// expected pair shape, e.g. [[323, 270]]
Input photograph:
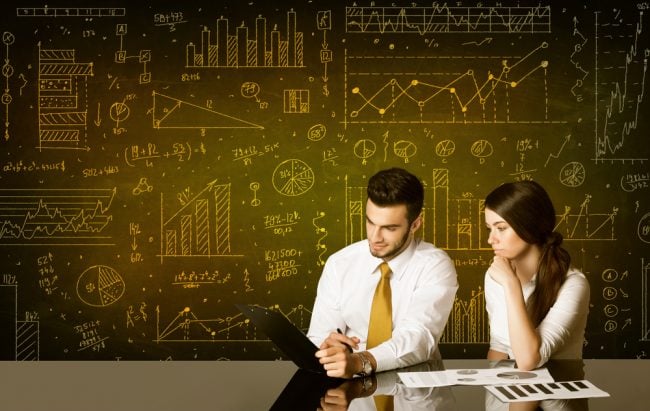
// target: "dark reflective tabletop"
[[278, 385]]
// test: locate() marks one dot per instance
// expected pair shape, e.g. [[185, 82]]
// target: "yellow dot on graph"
[[382, 111], [513, 84]]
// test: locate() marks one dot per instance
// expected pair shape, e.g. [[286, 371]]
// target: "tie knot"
[[385, 270]]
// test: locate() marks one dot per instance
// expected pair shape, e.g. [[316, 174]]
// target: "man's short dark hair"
[[395, 186]]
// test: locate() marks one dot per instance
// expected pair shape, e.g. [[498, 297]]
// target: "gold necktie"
[[381, 322], [380, 327]]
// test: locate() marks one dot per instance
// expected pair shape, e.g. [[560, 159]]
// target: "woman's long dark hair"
[[528, 209]]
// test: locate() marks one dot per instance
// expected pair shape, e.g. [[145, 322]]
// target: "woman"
[[537, 303]]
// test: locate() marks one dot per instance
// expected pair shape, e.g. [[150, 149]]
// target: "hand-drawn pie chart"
[[293, 178], [100, 286]]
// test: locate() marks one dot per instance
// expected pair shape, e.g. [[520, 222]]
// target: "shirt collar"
[[399, 263]]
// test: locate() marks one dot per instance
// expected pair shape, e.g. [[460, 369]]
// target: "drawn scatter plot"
[[293, 178], [100, 286]]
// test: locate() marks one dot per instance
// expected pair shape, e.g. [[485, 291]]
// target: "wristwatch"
[[366, 367]]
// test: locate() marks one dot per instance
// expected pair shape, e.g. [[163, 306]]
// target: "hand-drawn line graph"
[[186, 326], [468, 322], [584, 225], [461, 94], [201, 227], [620, 79], [55, 216], [172, 113], [239, 50], [442, 19], [20, 338], [62, 103]]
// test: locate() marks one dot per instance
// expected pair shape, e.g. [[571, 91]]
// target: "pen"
[[338, 330]]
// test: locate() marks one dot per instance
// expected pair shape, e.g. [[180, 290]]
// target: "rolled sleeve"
[[562, 330]]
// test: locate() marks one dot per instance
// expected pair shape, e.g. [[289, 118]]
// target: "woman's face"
[[504, 240]]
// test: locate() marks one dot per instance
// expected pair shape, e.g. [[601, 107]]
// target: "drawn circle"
[[6, 98], [100, 286], [249, 89], [293, 178], [8, 38], [316, 132], [516, 375], [445, 148], [572, 174], [610, 325], [610, 310], [404, 149], [467, 372], [365, 149], [481, 149], [609, 293], [643, 229], [609, 275], [7, 70], [119, 112]]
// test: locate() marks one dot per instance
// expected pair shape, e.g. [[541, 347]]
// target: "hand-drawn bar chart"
[[248, 48]]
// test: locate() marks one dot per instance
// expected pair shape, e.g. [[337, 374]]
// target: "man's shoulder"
[[429, 251], [351, 250]]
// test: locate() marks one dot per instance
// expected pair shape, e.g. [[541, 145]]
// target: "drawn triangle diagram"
[[170, 112]]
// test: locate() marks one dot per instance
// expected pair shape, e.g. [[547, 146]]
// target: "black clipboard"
[[287, 337]]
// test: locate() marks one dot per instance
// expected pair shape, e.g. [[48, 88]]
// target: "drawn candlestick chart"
[[466, 92]]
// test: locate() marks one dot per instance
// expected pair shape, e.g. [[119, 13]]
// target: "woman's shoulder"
[[575, 282], [576, 276]]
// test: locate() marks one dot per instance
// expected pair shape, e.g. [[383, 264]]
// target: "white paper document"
[[546, 391], [474, 376]]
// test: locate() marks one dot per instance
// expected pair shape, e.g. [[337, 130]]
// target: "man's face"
[[388, 229]]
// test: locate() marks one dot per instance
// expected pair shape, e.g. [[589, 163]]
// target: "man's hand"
[[339, 398], [336, 356]]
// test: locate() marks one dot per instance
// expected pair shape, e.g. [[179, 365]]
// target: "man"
[[422, 282]]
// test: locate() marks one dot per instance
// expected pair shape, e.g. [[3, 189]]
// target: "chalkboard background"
[[162, 161]]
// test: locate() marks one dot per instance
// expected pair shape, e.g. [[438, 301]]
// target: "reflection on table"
[[308, 391]]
